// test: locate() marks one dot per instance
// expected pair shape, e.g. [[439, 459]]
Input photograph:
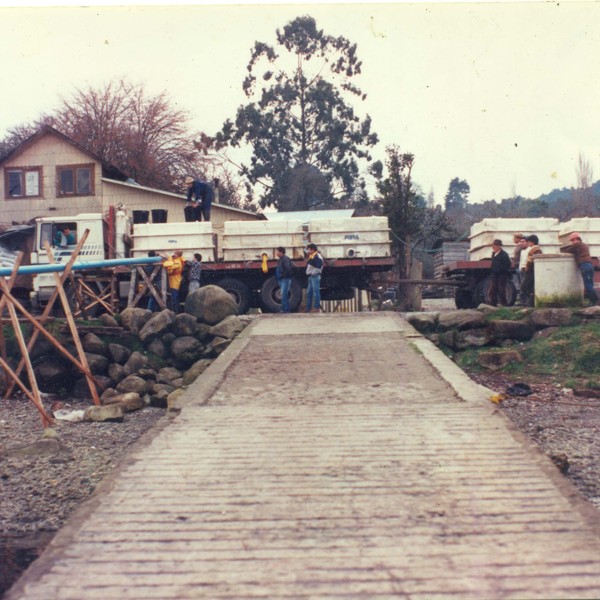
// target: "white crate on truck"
[[587, 227], [487, 230], [355, 237], [247, 240], [165, 238]]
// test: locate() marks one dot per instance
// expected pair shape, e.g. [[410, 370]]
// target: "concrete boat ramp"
[[329, 456]]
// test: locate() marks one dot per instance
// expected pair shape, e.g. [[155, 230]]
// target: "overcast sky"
[[502, 95]]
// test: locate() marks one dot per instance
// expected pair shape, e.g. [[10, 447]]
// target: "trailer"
[[241, 259]]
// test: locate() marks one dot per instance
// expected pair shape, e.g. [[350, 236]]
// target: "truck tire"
[[239, 291], [482, 292], [270, 296], [463, 298]]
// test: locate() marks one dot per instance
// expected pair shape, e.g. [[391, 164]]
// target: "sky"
[[503, 95]]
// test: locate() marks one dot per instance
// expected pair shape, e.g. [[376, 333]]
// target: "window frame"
[[74, 168], [23, 172]]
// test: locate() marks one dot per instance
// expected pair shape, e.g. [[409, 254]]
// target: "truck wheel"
[[270, 295], [463, 298], [239, 291], [482, 292]]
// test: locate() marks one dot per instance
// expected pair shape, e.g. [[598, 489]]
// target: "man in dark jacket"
[[201, 194], [499, 272], [283, 272]]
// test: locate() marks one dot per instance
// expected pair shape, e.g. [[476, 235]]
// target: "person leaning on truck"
[[499, 273], [201, 194], [174, 267], [527, 286], [284, 272], [583, 258], [314, 268]]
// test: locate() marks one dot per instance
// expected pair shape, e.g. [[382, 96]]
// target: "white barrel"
[[558, 281]]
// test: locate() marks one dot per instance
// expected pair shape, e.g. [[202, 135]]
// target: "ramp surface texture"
[[324, 456]]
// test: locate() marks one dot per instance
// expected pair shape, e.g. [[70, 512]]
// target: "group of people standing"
[[522, 265]]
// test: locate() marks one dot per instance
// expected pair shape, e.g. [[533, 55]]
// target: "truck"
[[471, 278], [240, 259]]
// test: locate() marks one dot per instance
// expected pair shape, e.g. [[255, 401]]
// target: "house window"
[[75, 180], [23, 182]]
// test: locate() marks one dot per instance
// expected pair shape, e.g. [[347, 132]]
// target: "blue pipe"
[[82, 265]]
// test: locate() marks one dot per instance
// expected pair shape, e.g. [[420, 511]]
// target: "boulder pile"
[[157, 354]]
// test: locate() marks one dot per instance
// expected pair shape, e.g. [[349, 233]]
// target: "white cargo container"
[[487, 230], [356, 237], [248, 240], [588, 227], [165, 238]]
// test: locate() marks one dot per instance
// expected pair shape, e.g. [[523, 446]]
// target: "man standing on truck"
[[283, 272], [583, 258], [201, 194], [314, 268], [499, 272], [174, 267]]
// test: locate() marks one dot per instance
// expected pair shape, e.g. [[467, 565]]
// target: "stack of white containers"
[[486, 231], [355, 237], [165, 238], [588, 227], [248, 240]]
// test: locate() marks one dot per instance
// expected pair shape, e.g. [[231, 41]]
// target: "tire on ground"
[[270, 295], [482, 292], [463, 298], [239, 291]]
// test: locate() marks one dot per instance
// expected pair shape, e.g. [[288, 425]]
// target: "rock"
[[146, 373], [133, 383], [173, 400], [186, 350], [586, 393], [220, 344], [229, 328], [157, 387], [551, 317], [118, 353], [461, 319], [170, 373], [134, 319], [42, 346], [53, 377], [108, 320], [159, 324], [159, 399], [168, 339], [108, 393], [158, 348], [590, 312], [210, 304], [111, 412], [178, 382], [561, 460], [43, 447], [116, 372], [423, 322], [81, 389], [93, 344], [521, 331], [185, 324], [472, 338], [135, 362], [50, 434], [196, 370], [203, 333], [98, 364], [544, 333], [498, 360], [130, 401]]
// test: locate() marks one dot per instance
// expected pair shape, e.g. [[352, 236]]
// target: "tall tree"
[[145, 136], [300, 123], [412, 223], [457, 196]]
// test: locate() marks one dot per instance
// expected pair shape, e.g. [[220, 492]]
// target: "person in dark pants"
[[201, 195], [583, 258], [499, 271], [283, 272], [314, 268], [528, 283]]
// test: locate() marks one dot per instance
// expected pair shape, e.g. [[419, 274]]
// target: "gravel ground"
[[42, 482]]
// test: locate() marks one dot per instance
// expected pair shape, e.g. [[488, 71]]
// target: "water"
[[17, 552]]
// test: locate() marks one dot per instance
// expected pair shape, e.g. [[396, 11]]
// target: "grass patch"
[[570, 356]]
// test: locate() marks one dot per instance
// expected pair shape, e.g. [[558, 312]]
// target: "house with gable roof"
[[50, 175]]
